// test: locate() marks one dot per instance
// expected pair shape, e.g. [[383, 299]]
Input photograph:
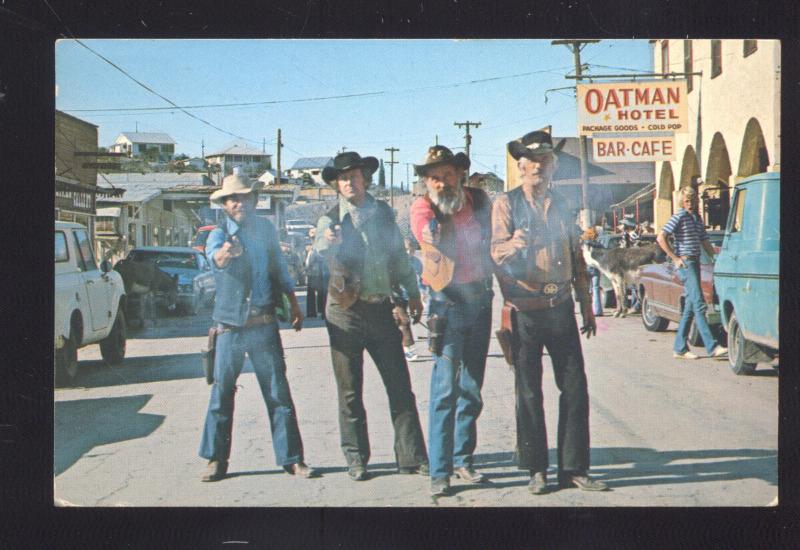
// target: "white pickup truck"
[[89, 303]]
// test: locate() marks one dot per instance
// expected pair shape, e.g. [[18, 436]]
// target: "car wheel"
[[112, 348], [736, 348], [650, 320], [66, 363]]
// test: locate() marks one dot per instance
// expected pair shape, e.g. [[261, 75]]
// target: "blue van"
[[746, 273]]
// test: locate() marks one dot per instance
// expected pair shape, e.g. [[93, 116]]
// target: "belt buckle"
[[550, 288]]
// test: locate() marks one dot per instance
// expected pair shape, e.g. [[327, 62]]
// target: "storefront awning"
[[645, 193]]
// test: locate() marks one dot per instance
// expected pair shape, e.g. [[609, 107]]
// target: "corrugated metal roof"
[[237, 149], [161, 179], [306, 163], [134, 192], [147, 137]]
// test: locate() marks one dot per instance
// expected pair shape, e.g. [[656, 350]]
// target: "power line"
[[310, 99], [142, 84]]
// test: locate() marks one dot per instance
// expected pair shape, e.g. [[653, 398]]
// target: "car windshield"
[[165, 259]]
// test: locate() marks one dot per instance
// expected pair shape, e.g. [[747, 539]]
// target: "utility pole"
[[392, 162], [467, 136], [203, 149], [408, 179], [264, 145], [576, 46], [343, 149], [278, 158], [437, 139]]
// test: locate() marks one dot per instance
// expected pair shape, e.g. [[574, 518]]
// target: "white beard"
[[449, 204]]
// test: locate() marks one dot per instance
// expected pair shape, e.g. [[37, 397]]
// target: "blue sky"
[[421, 87]]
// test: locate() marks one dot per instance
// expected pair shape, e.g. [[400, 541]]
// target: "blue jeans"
[[597, 304], [694, 307], [456, 383], [262, 344]]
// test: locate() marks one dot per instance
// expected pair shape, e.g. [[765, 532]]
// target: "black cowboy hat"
[[533, 143], [347, 161], [438, 155]]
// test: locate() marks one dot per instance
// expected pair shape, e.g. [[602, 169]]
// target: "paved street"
[[664, 432]]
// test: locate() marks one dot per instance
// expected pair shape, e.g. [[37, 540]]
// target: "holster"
[[208, 355], [506, 336], [436, 328]]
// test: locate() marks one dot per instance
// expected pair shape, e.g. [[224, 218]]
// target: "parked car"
[[661, 293], [196, 286], [89, 303], [747, 272], [201, 236]]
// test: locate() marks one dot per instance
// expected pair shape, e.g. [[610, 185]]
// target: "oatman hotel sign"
[[632, 121]]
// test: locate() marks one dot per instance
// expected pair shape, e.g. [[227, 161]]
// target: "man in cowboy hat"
[[452, 223], [536, 246], [364, 248], [248, 266]]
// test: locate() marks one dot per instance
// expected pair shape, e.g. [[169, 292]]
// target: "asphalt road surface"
[[664, 432]]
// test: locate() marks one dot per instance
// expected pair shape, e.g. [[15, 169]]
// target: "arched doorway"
[[690, 169], [714, 193], [666, 188], [754, 157]]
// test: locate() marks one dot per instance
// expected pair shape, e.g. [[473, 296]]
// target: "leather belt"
[[257, 316], [540, 302], [548, 289]]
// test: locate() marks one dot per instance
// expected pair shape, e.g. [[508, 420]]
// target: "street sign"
[[652, 147], [632, 107]]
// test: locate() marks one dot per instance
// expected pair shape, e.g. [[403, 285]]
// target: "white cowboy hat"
[[235, 184]]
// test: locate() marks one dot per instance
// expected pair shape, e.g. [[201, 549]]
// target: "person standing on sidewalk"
[[452, 223], [690, 234], [536, 246], [364, 249], [245, 255]]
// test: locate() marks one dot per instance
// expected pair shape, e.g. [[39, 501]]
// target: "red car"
[[661, 294], [200, 237]]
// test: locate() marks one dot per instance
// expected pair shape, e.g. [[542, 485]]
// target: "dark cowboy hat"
[[438, 155], [533, 143], [347, 161]]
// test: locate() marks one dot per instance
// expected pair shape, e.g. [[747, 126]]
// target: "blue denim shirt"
[[257, 236]]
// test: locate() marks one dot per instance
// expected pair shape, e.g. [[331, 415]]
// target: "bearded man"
[[453, 226]]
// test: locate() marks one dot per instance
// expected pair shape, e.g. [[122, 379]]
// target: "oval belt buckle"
[[550, 288]]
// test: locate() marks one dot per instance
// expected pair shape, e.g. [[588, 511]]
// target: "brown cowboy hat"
[[438, 155], [347, 161], [533, 143], [235, 184]]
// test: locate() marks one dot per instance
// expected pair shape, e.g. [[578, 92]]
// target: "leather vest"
[[439, 261], [523, 216], [346, 265]]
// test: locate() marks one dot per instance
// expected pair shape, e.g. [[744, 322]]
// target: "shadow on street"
[[84, 424], [138, 370], [644, 466]]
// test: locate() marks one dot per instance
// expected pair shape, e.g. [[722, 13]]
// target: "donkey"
[[141, 278], [622, 266]]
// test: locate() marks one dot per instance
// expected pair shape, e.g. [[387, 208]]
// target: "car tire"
[[736, 348], [112, 347], [66, 360], [650, 320]]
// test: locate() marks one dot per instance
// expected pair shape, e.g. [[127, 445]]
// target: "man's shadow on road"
[[636, 466]]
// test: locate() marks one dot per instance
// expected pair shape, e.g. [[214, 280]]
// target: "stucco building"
[[734, 120]]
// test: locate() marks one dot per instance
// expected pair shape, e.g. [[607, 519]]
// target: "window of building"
[[736, 222], [687, 64], [665, 56], [106, 224], [62, 252], [167, 205], [130, 211], [750, 46], [132, 234], [716, 58]]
